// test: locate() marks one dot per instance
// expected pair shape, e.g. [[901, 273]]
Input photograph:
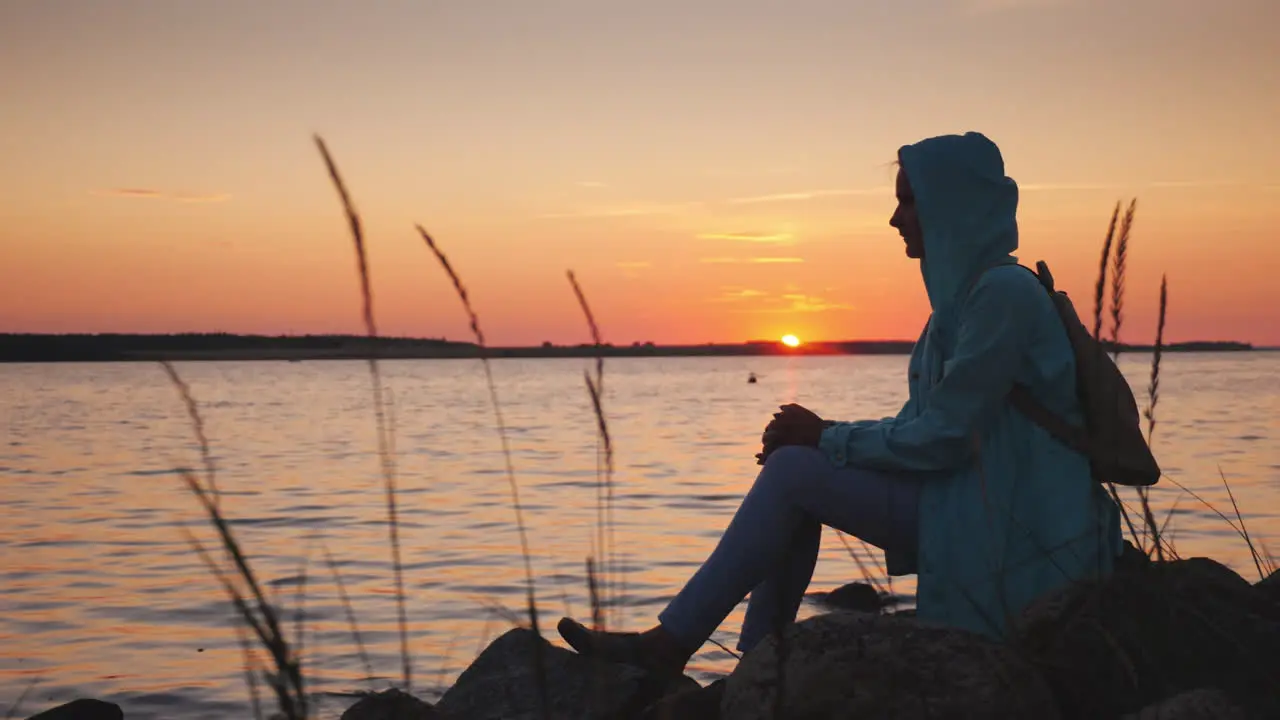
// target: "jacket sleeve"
[[994, 329]]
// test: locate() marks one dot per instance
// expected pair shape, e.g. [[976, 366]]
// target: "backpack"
[[1112, 436]]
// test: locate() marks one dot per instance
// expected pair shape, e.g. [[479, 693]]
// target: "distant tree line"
[[213, 346]]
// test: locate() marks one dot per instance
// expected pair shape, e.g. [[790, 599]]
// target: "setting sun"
[[791, 341]]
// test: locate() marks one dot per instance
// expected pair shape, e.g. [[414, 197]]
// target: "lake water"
[[102, 595]]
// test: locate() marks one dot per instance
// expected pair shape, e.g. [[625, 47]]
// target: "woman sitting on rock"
[[985, 506]]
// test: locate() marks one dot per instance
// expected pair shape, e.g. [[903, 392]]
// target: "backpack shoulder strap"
[[1061, 430], [1021, 398], [1024, 402]]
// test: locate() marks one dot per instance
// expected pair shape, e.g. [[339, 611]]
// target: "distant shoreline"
[[46, 348]]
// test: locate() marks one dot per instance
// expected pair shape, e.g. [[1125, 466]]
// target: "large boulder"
[[83, 709], [1201, 704], [696, 703], [501, 684], [393, 704], [1270, 586], [856, 665], [1151, 631]]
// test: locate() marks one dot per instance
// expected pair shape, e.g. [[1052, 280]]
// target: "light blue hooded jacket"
[[1006, 512]]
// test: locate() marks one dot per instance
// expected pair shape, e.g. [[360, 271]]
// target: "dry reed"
[[197, 428], [604, 541], [1244, 530], [1153, 399], [260, 616], [22, 697], [383, 429], [1153, 386], [531, 601], [867, 575], [604, 523], [1118, 276], [250, 675], [349, 611], [1117, 314], [1100, 287]]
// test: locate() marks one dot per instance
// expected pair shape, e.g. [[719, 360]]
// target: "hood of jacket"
[[967, 209]]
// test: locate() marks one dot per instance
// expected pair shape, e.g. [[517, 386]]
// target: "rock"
[[1152, 631], [852, 596], [500, 684], [85, 709], [393, 704], [856, 665], [1201, 704], [1270, 586], [701, 703]]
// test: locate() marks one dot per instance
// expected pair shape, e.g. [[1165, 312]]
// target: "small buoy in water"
[[751, 377]]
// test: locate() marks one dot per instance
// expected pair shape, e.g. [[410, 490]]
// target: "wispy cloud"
[[777, 238], [756, 301], [801, 195], [153, 194], [750, 260], [737, 294], [634, 210], [143, 193], [750, 300], [634, 265], [812, 303]]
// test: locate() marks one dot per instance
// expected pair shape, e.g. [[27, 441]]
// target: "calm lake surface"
[[102, 595]]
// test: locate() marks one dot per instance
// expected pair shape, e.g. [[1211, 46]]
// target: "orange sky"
[[713, 170]]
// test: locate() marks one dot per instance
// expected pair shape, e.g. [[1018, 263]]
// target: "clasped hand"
[[791, 425]]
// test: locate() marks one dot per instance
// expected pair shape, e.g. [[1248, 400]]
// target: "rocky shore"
[[1179, 640]]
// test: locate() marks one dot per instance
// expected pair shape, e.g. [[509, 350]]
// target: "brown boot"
[[654, 650]]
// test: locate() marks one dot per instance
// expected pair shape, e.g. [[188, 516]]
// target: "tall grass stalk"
[[1244, 530], [1119, 266], [1100, 288], [250, 673], [300, 620], [867, 575], [531, 601], [605, 538], [1153, 386], [602, 426], [1099, 302], [387, 459], [259, 616], [604, 541], [1239, 529], [1268, 560], [1164, 526], [593, 595], [17, 704], [197, 428], [351, 615], [1153, 399]]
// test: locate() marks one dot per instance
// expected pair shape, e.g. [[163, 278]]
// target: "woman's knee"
[[798, 460]]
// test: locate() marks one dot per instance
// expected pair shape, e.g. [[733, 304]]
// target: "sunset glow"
[[160, 175], [791, 341]]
